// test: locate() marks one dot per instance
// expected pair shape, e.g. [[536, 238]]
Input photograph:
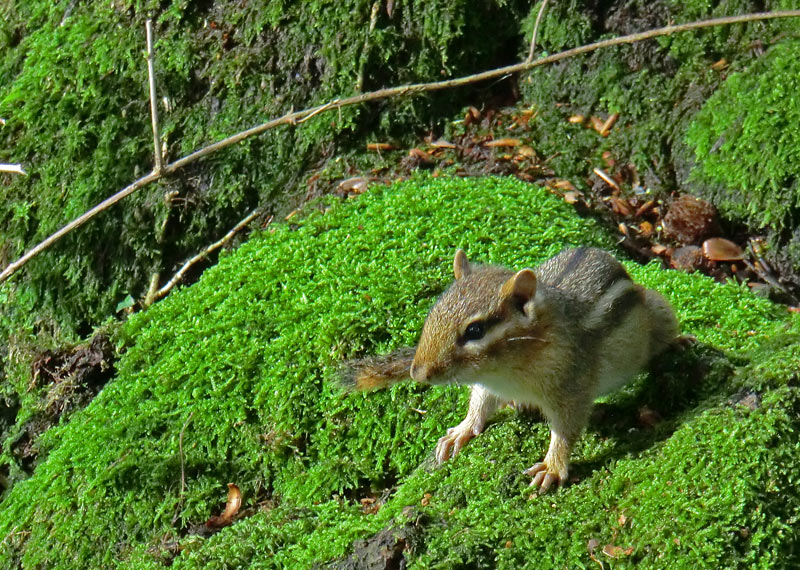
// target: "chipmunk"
[[555, 337]]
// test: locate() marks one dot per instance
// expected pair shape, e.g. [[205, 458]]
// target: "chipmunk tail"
[[376, 372]]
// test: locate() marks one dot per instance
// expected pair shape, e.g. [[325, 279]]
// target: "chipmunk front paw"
[[545, 477], [456, 438]]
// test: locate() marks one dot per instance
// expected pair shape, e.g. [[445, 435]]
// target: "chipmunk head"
[[472, 320]]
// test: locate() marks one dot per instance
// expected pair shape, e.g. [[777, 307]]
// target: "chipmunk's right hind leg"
[[482, 405]]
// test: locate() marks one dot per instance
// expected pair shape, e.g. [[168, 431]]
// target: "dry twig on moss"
[[203, 254], [535, 31]]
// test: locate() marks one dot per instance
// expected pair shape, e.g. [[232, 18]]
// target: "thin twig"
[[151, 75], [536, 30], [298, 116], [216, 245], [183, 465]]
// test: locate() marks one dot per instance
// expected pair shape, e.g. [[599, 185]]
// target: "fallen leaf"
[[379, 146], [354, 185], [563, 185], [526, 152], [720, 64], [608, 124], [617, 551], [231, 508], [503, 142], [646, 229], [597, 123], [642, 210], [606, 178], [721, 249]]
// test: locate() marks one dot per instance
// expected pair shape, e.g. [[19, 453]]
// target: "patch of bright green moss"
[[745, 141], [239, 370]]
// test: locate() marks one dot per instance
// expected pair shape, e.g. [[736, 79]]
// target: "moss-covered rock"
[[233, 380], [73, 93], [745, 140]]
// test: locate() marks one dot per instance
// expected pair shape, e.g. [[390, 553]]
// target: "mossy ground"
[[240, 371]]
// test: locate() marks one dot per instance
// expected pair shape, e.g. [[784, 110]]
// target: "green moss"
[[745, 140], [239, 370], [656, 86]]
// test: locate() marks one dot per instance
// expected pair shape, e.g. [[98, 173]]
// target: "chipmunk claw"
[[457, 437], [543, 478]]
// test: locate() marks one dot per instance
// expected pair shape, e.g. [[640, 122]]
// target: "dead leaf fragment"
[[564, 185], [597, 123], [526, 152], [606, 178], [617, 551], [576, 119], [642, 210], [231, 508], [473, 115], [720, 64], [379, 146], [721, 249], [503, 142], [621, 207], [608, 124], [354, 185], [441, 143]]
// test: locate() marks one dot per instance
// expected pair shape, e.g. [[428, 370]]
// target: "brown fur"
[[555, 337]]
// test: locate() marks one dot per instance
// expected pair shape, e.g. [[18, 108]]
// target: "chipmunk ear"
[[461, 265], [520, 288]]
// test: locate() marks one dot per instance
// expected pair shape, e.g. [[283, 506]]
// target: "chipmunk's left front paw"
[[545, 477]]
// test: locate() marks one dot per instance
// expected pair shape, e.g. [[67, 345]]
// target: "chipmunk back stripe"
[[575, 258], [610, 309]]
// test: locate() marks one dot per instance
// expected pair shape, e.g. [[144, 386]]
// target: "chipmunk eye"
[[475, 330]]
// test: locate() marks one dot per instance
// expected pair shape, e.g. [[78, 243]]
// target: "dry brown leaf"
[[642, 210], [720, 64], [597, 123], [606, 178], [617, 551], [379, 146], [721, 249], [564, 185], [608, 124], [503, 142], [231, 508]]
